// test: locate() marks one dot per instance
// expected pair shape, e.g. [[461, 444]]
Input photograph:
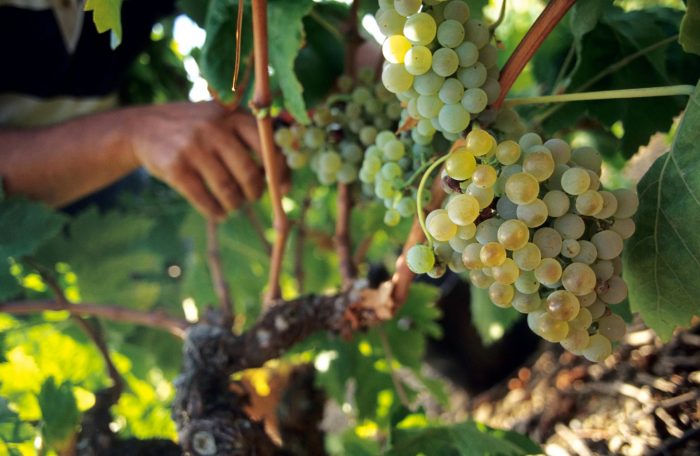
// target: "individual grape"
[[406, 207], [391, 217], [395, 78], [477, 33], [457, 10], [488, 55], [575, 181], [597, 309], [407, 7], [549, 241], [429, 105], [513, 234], [501, 295], [392, 23], [394, 150], [492, 88], [428, 83], [458, 244], [432, 214], [616, 291], [484, 176], [561, 152], [506, 172], [296, 160], [330, 162], [599, 348], [506, 209], [395, 48], [467, 231], [588, 253], [603, 269], [492, 254], [612, 327], [608, 244], [533, 214], [487, 231], [624, 227], [526, 302], [548, 272], [562, 305], [538, 162], [471, 256], [284, 137], [467, 53], [450, 33], [522, 188], [442, 250], [418, 60], [420, 259], [528, 257], [554, 181], [391, 171], [542, 324], [460, 165], [471, 77], [479, 142], [412, 108], [454, 118], [383, 188], [627, 202], [595, 180], [347, 173], [578, 278], [589, 202], [609, 205], [463, 209], [425, 127], [438, 271], [570, 226], [527, 282], [451, 91], [576, 341], [479, 279], [445, 62], [441, 227], [507, 273], [557, 203], [529, 140], [508, 152], [588, 299], [570, 248], [587, 157], [582, 320], [475, 100], [483, 195]]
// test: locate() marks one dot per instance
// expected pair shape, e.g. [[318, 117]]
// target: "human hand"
[[202, 152]]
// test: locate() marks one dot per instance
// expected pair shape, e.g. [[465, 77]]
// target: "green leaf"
[[9, 286], [690, 28], [491, 321], [25, 225], [107, 16], [584, 17], [12, 429], [218, 55], [59, 411], [464, 439], [286, 32], [662, 259]]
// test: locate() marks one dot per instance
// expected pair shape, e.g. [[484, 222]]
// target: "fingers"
[[232, 153], [216, 177], [189, 184]]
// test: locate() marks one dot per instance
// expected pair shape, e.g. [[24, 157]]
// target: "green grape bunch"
[[530, 222], [440, 63]]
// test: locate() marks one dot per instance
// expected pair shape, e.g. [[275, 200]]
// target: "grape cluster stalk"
[[531, 223], [440, 62]]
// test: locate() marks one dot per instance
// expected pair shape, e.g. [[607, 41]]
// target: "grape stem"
[[644, 92], [419, 197]]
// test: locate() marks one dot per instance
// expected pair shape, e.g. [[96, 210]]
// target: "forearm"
[[63, 163]]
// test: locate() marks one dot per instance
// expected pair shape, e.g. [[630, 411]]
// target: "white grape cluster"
[[439, 62], [532, 224], [333, 145]]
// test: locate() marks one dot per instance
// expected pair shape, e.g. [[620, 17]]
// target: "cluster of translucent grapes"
[[532, 224], [333, 145], [439, 62]]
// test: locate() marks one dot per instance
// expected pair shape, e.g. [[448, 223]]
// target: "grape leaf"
[[690, 28], [9, 287], [662, 258], [465, 439], [491, 321], [286, 32], [59, 411], [107, 16], [12, 429], [25, 225]]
